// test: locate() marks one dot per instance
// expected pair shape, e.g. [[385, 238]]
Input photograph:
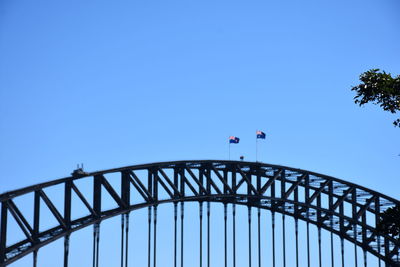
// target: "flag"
[[260, 135], [233, 140]]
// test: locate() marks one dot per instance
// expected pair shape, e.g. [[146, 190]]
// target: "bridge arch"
[[340, 207]]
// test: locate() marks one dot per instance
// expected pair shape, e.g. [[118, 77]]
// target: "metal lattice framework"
[[342, 208]]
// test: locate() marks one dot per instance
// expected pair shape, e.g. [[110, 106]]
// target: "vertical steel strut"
[[308, 243], [66, 250], [126, 238], [296, 222], [234, 234], [3, 230], [67, 218], [283, 190], [379, 250], [182, 217], [342, 249], [332, 252], [259, 237], [306, 198], [225, 235], [296, 232], [377, 219], [96, 244], [284, 240], [201, 233], [273, 238], [208, 234], [155, 237], [249, 220], [175, 231], [354, 215], [125, 196], [36, 224], [122, 238], [35, 253], [149, 238], [365, 258], [386, 249], [97, 180], [355, 245], [319, 247], [233, 178], [96, 241]]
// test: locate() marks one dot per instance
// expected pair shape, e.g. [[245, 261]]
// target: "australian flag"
[[260, 135], [233, 140]]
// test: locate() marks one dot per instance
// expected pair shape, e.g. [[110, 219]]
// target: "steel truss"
[[329, 203]]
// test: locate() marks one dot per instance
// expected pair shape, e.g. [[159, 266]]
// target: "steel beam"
[[258, 195], [3, 232], [201, 233]]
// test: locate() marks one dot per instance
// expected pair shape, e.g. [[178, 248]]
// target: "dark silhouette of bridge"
[[343, 209]]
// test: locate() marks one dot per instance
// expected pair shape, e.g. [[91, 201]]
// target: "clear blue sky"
[[114, 83]]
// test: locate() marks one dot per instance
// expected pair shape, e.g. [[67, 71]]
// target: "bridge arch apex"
[[327, 202]]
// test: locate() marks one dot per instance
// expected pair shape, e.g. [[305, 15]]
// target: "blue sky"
[[117, 83]]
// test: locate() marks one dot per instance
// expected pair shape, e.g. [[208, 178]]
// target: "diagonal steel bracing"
[[240, 183]]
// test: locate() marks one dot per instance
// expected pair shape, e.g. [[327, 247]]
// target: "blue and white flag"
[[260, 135], [233, 140]]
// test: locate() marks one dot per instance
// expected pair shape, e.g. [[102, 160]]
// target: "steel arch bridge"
[[344, 209]]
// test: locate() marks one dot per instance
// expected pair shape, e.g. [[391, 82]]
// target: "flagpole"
[[256, 148], [229, 150]]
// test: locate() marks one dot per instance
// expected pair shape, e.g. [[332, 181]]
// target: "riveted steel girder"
[[266, 186]]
